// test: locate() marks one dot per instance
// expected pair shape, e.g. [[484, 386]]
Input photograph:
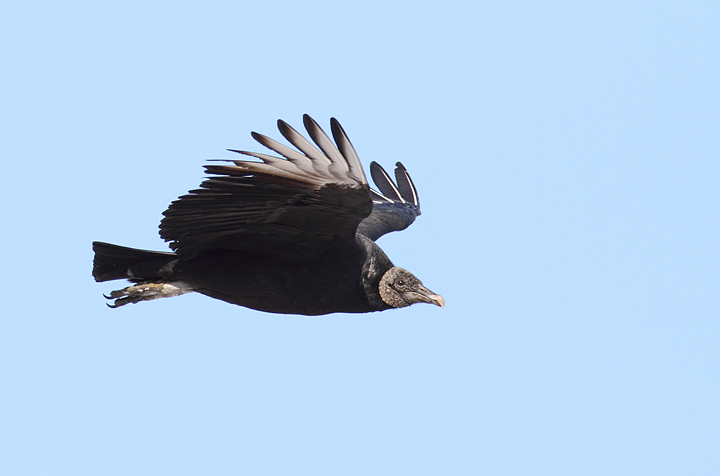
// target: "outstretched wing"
[[292, 208], [394, 207]]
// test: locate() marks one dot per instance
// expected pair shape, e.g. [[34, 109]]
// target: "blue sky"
[[566, 155]]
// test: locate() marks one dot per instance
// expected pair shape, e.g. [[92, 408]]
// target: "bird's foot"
[[146, 292]]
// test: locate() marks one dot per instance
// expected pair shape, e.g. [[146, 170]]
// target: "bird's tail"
[[118, 262]]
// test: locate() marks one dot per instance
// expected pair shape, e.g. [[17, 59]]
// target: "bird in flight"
[[293, 234]]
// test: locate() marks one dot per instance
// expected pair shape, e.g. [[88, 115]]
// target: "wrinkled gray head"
[[400, 288]]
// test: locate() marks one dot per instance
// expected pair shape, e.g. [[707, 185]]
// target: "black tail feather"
[[118, 262]]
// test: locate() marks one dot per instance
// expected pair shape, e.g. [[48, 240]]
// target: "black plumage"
[[293, 234]]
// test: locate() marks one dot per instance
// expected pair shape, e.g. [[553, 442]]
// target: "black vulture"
[[291, 235]]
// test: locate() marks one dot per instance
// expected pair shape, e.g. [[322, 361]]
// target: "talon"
[[145, 292], [125, 300]]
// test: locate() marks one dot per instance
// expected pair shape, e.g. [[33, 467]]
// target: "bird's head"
[[400, 288]]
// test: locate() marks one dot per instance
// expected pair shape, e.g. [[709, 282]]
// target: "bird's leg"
[[146, 292]]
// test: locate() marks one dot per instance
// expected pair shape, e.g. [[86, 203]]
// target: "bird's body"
[[331, 283], [293, 235]]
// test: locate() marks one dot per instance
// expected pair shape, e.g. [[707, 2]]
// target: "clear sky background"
[[567, 156]]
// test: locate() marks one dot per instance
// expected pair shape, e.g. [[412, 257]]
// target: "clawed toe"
[[125, 300]]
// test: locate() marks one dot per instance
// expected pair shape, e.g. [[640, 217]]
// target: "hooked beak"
[[425, 295]]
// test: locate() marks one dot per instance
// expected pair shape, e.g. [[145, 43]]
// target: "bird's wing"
[[292, 208], [395, 206]]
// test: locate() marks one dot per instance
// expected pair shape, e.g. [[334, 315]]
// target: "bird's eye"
[[400, 283]]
